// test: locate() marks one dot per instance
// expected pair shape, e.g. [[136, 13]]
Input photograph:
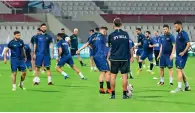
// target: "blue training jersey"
[[27, 51], [43, 42], [32, 40], [146, 43], [16, 46], [140, 38], [119, 44], [157, 42], [167, 42], [65, 47], [98, 45], [181, 42]]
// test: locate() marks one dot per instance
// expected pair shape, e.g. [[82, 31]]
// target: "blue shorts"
[[42, 59], [101, 63], [91, 52], [17, 64], [28, 64], [147, 55], [139, 52], [65, 59], [181, 61], [165, 61]]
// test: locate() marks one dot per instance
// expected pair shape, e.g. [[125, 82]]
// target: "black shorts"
[[73, 51], [123, 66]]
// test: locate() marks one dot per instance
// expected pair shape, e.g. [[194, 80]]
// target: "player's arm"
[[83, 47], [51, 46], [5, 54], [187, 41], [160, 53]]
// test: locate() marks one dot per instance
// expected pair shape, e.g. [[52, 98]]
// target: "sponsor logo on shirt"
[[120, 37]]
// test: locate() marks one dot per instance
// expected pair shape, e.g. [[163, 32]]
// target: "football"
[[67, 39]]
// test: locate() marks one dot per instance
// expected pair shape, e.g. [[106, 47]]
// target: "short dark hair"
[[117, 22], [166, 26], [16, 32], [103, 27], [178, 22], [43, 24], [60, 35], [97, 29], [38, 29], [148, 32], [106, 28], [62, 29], [139, 29], [91, 30]]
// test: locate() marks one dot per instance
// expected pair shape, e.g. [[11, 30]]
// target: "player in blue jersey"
[[28, 55], [42, 46], [64, 56], [119, 54], [32, 42], [157, 38], [182, 46], [131, 59], [17, 59], [91, 54], [166, 55], [139, 45], [98, 44], [74, 45], [148, 45]]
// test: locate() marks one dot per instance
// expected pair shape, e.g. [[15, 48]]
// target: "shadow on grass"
[[72, 86], [150, 96], [169, 102], [152, 90], [46, 91]]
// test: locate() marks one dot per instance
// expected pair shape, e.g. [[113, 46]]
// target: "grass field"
[[75, 94]]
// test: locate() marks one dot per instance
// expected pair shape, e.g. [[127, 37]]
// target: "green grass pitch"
[[75, 94]]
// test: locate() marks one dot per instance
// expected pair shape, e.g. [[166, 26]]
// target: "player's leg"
[[142, 58], [169, 64], [187, 87], [60, 64], [43, 68], [161, 76], [137, 56], [71, 63], [14, 67], [114, 71], [22, 68], [91, 63], [14, 80], [150, 58], [156, 53], [28, 65], [47, 63], [107, 78], [124, 67], [38, 62]]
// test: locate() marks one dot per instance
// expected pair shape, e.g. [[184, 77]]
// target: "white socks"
[[179, 84], [49, 79], [14, 86], [63, 73], [186, 84], [36, 79], [161, 79], [81, 75], [171, 80]]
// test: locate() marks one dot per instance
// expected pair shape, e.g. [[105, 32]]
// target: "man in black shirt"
[[119, 54], [65, 35]]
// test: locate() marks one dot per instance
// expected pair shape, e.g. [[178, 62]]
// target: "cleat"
[[176, 90], [187, 88], [102, 91], [36, 83], [66, 77], [112, 97], [13, 89], [139, 71], [108, 91], [171, 84], [22, 87], [83, 78], [161, 83], [50, 83], [125, 97], [84, 65]]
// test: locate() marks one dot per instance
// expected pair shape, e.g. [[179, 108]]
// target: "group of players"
[[110, 53]]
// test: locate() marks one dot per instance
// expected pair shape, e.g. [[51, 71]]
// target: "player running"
[[28, 55], [43, 43], [74, 45], [17, 59], [64, 57], [92, 63], [119, 54], [98, 44], [139, 46], [166, 55], [182, 46], [157, 38], [148, 44]]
